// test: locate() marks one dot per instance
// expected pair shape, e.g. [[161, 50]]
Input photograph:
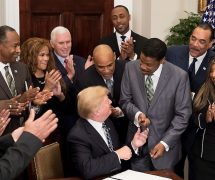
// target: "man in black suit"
[[107, 68], [124, 42], [70, 67], [94, 145], [15, 79], [19, 147], [199, 49]]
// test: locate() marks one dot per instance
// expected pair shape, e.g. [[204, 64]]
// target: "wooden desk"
[[163, 173]]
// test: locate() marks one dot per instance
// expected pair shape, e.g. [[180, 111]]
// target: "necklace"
[[41, 82]]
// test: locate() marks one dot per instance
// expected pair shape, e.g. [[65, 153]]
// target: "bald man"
[[104, 70]]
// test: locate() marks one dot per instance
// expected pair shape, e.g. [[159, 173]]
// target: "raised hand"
[[14, 107], [88, 62], [210, 115], [28, 95], [42, 126], [70, 67], [51, 78], [42, 97], [127, 49], [139, 138], [57, 91]]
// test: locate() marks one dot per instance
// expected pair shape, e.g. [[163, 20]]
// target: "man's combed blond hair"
[[89, 100]]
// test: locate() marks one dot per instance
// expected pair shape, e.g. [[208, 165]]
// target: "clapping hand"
[[127, 49], [51, 78], [89, 62], [70, 67], [210, 115]]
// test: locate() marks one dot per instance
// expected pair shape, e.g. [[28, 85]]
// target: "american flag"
[[209, 14]]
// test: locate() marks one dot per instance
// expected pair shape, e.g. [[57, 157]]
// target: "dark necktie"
[[10, 81], [66, 65], [123, 37], [191, 72], [149, 88], [107, 134], [109, 84]]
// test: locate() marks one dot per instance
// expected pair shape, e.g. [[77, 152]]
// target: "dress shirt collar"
[[110, 79], [157, 72], [118, 36], [97, 125], [156, 75], [2, 65], [198, 62]]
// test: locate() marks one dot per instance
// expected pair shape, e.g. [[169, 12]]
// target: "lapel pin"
[[204, 68], [15, 71]]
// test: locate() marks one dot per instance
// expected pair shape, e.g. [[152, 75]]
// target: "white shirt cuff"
[[118, 157], [134, 58], [136, 119], [165, 145], [121, 114]]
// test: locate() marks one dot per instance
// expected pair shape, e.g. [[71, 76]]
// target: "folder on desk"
[[131, 175]]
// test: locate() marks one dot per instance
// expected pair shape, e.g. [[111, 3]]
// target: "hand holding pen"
[[143, 120]]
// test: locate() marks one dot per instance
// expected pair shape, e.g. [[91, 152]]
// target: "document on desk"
[[131, 175]]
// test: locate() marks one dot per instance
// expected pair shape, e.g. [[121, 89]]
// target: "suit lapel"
[[95, 136], [163, 80], [141, 82], [4, 87], [115, 45], [203, 67]]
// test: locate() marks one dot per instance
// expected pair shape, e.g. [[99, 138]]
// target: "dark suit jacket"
[[17, 155], [179, 55], [204, 143], [92, 78], [20, 74], [91, 156], [68, 116], [112, 42]]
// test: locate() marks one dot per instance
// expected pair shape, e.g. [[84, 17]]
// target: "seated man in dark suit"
[[94, 145], [124, 42], [106, 69], [18, 148]]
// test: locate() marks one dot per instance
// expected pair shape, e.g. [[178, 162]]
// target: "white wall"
[[150, 18], [9, 13], [153, 18]]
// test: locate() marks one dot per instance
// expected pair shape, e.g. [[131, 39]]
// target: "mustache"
[[193, 48]]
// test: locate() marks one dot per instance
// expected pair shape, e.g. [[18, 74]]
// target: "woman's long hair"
[[30, 50], [206, 92]]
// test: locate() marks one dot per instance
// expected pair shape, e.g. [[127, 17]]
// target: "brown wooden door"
[[87, 20]]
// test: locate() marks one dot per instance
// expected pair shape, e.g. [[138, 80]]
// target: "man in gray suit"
[[156, 94]]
